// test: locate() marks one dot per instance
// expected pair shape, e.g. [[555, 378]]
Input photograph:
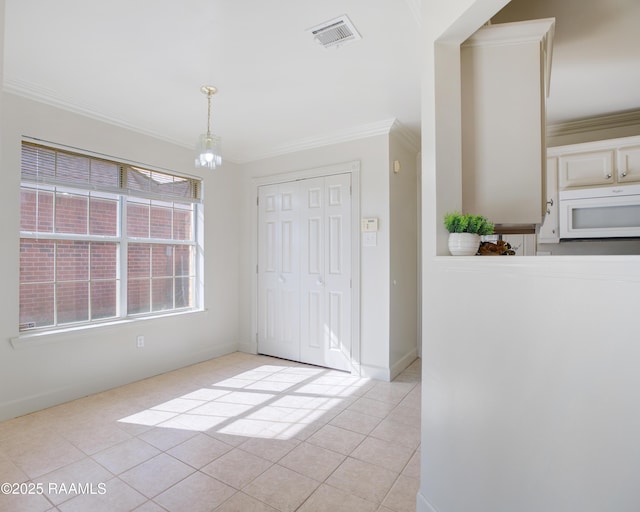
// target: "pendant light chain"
[[209, 93]]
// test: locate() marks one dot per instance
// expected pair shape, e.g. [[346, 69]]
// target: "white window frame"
[[122, 240]]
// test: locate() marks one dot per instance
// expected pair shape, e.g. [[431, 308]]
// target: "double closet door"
[[304, 270]]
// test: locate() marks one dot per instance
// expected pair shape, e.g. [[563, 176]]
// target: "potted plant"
[[465, 230]]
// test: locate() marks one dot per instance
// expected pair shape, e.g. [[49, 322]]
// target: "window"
[[102, 240]]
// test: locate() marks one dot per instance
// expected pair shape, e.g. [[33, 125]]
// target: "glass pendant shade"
[[208, 151], [208, 145]]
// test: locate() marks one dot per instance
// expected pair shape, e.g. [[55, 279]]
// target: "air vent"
[[335, 32]]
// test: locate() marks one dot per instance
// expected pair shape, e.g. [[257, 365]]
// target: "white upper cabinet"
[[599, 163], [628, 162], [505, 71], [588, 168]]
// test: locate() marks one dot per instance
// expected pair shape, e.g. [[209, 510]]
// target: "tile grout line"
[[244, 365]]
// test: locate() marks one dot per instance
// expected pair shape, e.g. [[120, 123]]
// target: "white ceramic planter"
[[463, 244]]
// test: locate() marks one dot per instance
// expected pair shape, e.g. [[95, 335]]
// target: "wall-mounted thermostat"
[[369, 225]]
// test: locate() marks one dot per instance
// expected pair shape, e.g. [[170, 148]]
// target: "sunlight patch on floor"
[[270, 401]]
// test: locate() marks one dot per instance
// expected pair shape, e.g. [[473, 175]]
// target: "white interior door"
[[304, 266], [325, 268], [278, 271]]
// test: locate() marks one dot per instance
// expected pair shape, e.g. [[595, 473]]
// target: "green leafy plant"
[[457, 222]]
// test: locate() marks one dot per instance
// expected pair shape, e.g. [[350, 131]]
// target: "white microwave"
[[600, 212]]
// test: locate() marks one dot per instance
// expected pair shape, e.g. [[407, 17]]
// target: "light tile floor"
[[240, 433]]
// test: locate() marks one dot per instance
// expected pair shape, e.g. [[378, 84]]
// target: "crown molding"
[[36, 93], [408, 138], [32, 92], [515, 32], [617, 120], [354, 133]]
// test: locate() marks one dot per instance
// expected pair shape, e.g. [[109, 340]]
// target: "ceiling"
[[140, 64]]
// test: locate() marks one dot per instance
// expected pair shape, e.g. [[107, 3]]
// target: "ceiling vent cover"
[[335, 32]]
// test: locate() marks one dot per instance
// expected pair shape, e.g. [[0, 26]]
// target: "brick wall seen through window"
[[94, 247]]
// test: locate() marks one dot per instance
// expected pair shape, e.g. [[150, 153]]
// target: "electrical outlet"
[[140, 341]]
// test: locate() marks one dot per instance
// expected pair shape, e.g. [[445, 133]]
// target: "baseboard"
[[52, 397], [248, 348], [375, 372], [422, 505], [37, 401], [404, 363]]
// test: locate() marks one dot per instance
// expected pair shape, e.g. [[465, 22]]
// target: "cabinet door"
[[548, 231], [522, 245], [503, 122], [629, 164], [589, 168]]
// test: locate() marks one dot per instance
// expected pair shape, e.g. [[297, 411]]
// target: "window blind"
[[41, 164]]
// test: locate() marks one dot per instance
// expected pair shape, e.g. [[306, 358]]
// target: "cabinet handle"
[[608, 176], [549, 203], [623, 174]]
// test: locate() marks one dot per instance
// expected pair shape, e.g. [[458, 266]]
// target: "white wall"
[[373, 154], [530, 382], [403, 306], [531, 386], [65, 366], [71, 365]]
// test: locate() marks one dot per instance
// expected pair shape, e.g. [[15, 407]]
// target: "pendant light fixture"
[[208, 146]]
